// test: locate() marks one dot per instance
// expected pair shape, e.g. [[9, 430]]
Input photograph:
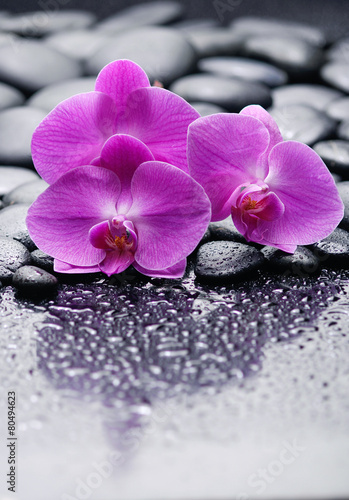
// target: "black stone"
[[295, 56], [32, 281], [244, 69], [302, 123], [336, 74], [315, 96], [343, 131], [334, 250], [31, 65], [12, 177], [302, 262], [250, 26], [145, 14], [343, 189], [48, 97], [336, 156], [12, 225], [80, 44], [13, 255], [163, 53], [25, 193], [215, 42], [43, 22], [9, 96], [225, 230], [42, 260], [16, 129], [231, 94], [224, 261], [339, 109], [339, 51], [190, 25], [5, 275], [205, 108]]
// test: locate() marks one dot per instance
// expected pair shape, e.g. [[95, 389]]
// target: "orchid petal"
[[175, 271], [98, 235], [160, 119], [116, 262], [262, 115], [123, 154], [223, 152], [301, 180], [60, 219], [64, 267], [72, 134], [118, 79], [170, 212]]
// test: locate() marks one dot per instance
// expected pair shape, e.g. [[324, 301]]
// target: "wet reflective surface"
[[160, 389]]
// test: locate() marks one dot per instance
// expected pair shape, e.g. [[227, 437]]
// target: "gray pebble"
[[339, 51], [343, 130], [13, 255], [336, 156], [302, 262], [25, 193], [42, 260], [32, 281], [343, 189], [215, 42], [206, 109], [339, 109], [12, 177], [336, 74], [334, 250], [225, 230], [9, 96], [80, 44], [13, 225], [315, 96]]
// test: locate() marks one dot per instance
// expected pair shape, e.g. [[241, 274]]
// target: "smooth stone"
[[220, 261], [295, 56], [48, 97], [42, 260], [231, 94], [215, 42], [225, 230], [302, 262], [334, 250], [16, 129], [302, 123], [339, 109], [26, 193], [12, 177], [80, 44], [43, 22], [33, 281], [339, 51], [336, 155], [343, 189], [5, 275], [315, 96], [343, 131], [336, 74], [206, 109], [190, 25], [9, 39], [9, 96], [13, 254], [13, 225], [251, 26], [244, 69], [163, 53], [32, 65]]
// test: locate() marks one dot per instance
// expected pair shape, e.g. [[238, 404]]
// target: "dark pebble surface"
[[42, 260], [32, 281], [224, 261], [336, 156], [302, 262], [343, 189], [334, 250], [13, 255]]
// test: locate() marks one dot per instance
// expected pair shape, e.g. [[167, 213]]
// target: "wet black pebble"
[[302, 262], [336, 156], [42, 260], [231, 94], [315, 96], [26, 193], [343, 189], [225, 230], [12, 224], [334, 250], [338, 109], [336, 74], [32, 281], [16, 129], [244, 69], [224, 261], [13, 255], [164, 53], [295, 56], [9, 96], [31, 65], [302, 123], [145, 14], [12, 177], [215, 42]]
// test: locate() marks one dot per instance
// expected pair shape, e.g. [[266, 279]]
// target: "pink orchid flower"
[[123, 102], [128, 210], [279, 193]]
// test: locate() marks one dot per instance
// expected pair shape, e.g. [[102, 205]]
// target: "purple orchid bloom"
[[279, 193], [128, 210], [123, 102]]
